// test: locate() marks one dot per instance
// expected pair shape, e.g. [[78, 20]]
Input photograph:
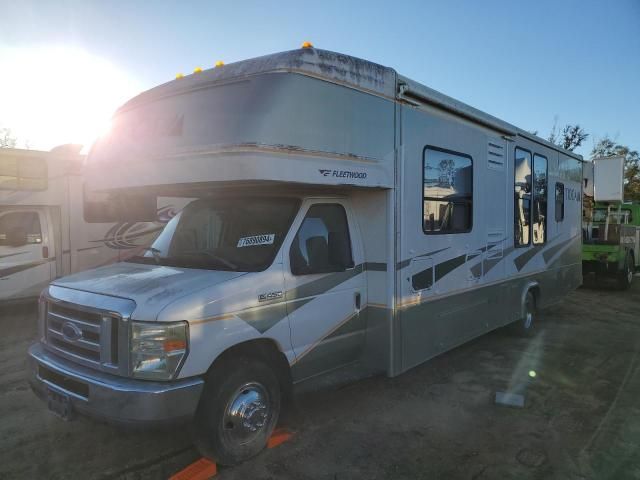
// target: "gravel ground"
[[581, 419]]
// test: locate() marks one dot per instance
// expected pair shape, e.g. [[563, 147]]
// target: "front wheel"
[[238, 411]]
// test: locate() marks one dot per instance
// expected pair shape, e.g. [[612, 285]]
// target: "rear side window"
[[540, 187], [322, 244], [447, 187], [20, 228], [522, 198], [559, 202]]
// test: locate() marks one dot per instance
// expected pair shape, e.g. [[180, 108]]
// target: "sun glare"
[[52, 96]]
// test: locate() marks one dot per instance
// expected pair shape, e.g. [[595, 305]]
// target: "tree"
[[607, 148], [569, 138], [7, 139]]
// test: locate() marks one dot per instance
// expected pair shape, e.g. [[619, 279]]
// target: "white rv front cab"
[[339, 219]]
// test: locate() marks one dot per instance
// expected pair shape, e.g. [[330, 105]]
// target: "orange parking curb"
[[204, 469], [278, 437]]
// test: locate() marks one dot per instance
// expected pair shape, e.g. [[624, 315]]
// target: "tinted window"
[[522, 198], [20, 228], [540, 188], [240, 234], [559, 202], [322, 243], [447, 192]]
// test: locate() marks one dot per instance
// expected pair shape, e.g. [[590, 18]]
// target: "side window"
[[540, 189], [322, 244], [522, 198], [20, 228], [24, 173], [447, 186], [559, 202]]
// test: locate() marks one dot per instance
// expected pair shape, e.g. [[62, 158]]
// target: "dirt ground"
[[581, 419]]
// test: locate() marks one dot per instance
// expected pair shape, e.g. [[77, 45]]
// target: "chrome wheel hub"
[[247, 413], [528, 319]]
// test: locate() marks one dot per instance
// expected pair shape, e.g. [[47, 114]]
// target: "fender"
[[530, 285]]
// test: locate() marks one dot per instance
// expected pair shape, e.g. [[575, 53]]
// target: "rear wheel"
[[525, 326], [626, 275], [238, 410]]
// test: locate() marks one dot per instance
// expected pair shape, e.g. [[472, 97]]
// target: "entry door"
[[24, 262], [325, 289]]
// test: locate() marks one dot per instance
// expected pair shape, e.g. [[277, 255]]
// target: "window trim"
[[424, 159], [555, 202], [533, 195], [528, 244], [304, 216]]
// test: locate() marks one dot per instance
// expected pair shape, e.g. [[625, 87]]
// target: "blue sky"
[[525, 62]]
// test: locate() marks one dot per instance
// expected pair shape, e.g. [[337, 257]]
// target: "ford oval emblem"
[[71, 332]]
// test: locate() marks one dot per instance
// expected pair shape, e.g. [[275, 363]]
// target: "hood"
[[152, 287]]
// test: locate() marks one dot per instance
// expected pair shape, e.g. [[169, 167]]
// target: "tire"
[[626, 275], [526, 325], [238, 410]]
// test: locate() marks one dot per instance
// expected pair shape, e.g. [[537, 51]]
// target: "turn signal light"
[[171, 345]]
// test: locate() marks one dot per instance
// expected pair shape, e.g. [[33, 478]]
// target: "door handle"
[[357, 300]]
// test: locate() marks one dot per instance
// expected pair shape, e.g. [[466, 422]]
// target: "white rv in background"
[[347, 219], [43, 231]]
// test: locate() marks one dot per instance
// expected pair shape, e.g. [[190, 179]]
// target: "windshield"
[[237, 234]]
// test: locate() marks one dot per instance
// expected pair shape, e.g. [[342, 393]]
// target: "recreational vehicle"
[[345, 219], [43, 231]]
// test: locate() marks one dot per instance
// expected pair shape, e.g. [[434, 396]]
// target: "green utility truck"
[[611, 244]]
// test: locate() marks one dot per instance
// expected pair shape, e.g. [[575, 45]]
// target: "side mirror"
[[17, 237]]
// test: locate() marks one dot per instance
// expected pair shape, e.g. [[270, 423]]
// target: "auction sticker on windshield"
[[256, 240]]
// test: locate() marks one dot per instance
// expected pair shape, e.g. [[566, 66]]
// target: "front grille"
[[84, 334]]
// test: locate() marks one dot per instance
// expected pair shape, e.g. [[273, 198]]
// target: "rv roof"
[[342, 69]]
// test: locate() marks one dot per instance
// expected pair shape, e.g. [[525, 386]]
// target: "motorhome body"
[[347, 216], [43, 232]]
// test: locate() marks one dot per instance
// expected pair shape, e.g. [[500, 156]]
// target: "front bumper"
[[114, 399]]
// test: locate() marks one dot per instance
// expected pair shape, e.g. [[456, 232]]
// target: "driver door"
[[325, 288], [24, 254]]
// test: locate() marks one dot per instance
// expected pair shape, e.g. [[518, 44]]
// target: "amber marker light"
[[171, 345], [197, 70], [219, 63], [179, 75], [307, 45]]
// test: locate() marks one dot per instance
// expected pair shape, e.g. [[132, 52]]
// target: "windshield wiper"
[[155, 252], [224, 261]]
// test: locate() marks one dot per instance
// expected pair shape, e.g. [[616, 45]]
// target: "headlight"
[[158, 349]]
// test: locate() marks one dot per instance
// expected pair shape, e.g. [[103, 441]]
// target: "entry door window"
[[522, 198], [20, 228], [322, 244]]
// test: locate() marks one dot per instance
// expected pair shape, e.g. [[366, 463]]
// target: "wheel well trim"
[[269, 350], [531, 286]]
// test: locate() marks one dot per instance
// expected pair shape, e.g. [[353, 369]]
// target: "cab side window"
[[322, 244], [20, 228]]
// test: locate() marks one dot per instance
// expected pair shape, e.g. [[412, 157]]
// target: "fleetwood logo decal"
[[342, 173]]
